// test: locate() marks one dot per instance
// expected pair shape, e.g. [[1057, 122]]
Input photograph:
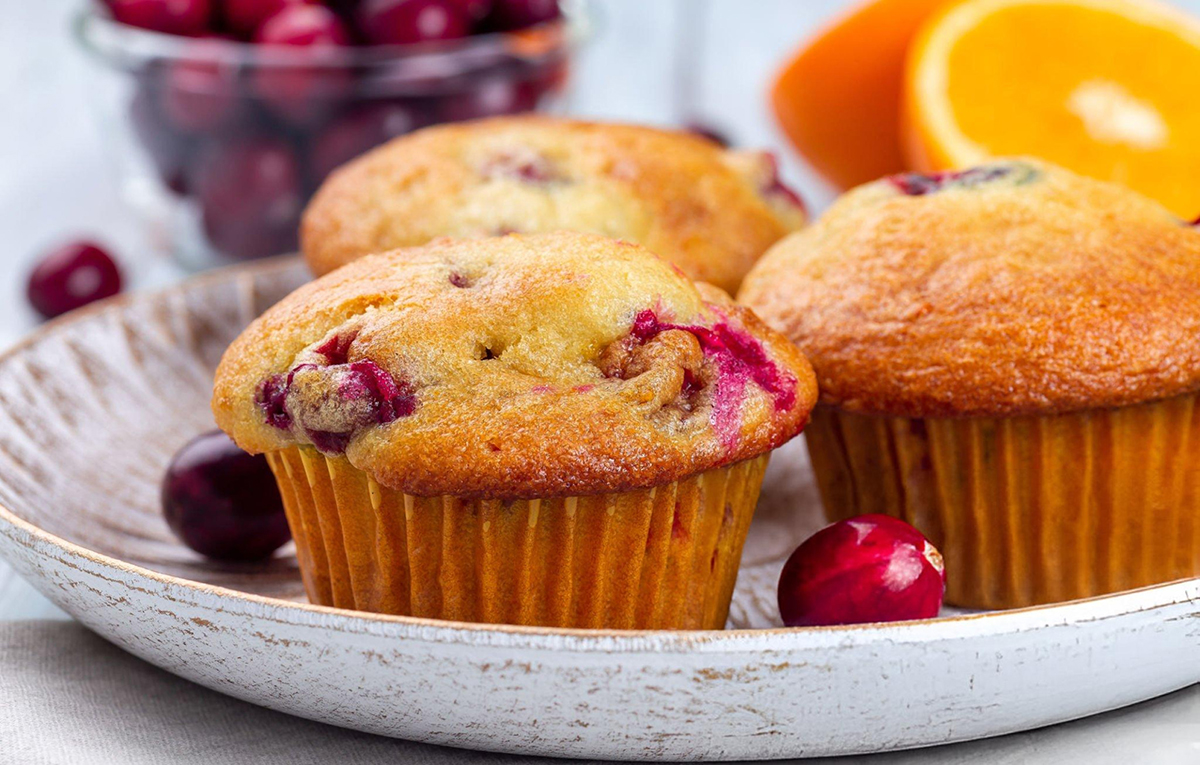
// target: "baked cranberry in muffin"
[[709, 210]]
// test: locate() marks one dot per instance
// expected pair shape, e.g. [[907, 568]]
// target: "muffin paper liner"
[[660, 558], [1031, 509]]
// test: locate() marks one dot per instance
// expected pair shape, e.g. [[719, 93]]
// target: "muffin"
[[554, 429], [1009, 360], [710, 211]]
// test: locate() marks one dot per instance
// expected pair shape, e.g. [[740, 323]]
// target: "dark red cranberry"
[[301, 24], [298, 92], [489, 97], [245, 16], [173, 17], [508, 15], [222, 502], [390, 398], [476, 10], [920, 184], [336, 349], [359, 131], [872, 568], [72, 276], [737, 359], [364, 394], [250, 197], [527, 166], [168, 150], [399, 22], [272, 399], [199, 95]]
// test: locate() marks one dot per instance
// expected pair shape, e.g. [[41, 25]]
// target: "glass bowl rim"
[[122, 45]]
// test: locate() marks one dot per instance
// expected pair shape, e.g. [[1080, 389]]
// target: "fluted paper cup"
[[659, 558], [1031, 509]]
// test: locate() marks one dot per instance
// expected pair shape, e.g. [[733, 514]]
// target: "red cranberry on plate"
[[509, 15], [489, 97], [296, 91], [222, 502], [359, 131], [250, 197], [245, 16], [872, 568], [167, 149], [398, 22], [72, 276], [173, 17]]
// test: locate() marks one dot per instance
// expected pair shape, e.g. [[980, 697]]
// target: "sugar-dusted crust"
[[517, 366], [710, 211], [1034, 292]]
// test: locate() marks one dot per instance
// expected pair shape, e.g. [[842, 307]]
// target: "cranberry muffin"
[[554, 429], [710, 211], [1008, 359]]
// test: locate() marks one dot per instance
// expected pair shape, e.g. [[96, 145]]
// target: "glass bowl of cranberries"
[[226, 115]]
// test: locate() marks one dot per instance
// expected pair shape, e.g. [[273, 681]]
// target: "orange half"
[[1108, 88], [838, 98]]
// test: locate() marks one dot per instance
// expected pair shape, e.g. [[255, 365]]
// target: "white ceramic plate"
[[92, 408]]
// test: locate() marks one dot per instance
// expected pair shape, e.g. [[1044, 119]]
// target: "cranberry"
[[476, 10], [920, 184], [72, 276], [509, 15], [490, 97], [302, 25], [199, 95], [872, 568], [174, 17], [168, 150], [527, 166], [297, 92], [342, 396], [398, 22], [222, 502], [250, 197], [359, 131], [246, 16]]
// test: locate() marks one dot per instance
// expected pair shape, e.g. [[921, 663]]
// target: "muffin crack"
[[690, 367]]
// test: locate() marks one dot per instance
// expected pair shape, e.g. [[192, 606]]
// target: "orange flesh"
[[1088, 89]]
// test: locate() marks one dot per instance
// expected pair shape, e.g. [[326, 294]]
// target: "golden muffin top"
[[1011, 288], [710, 211], [517, 366]]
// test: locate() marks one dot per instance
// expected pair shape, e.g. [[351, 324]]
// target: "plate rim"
[[1126, 602]]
